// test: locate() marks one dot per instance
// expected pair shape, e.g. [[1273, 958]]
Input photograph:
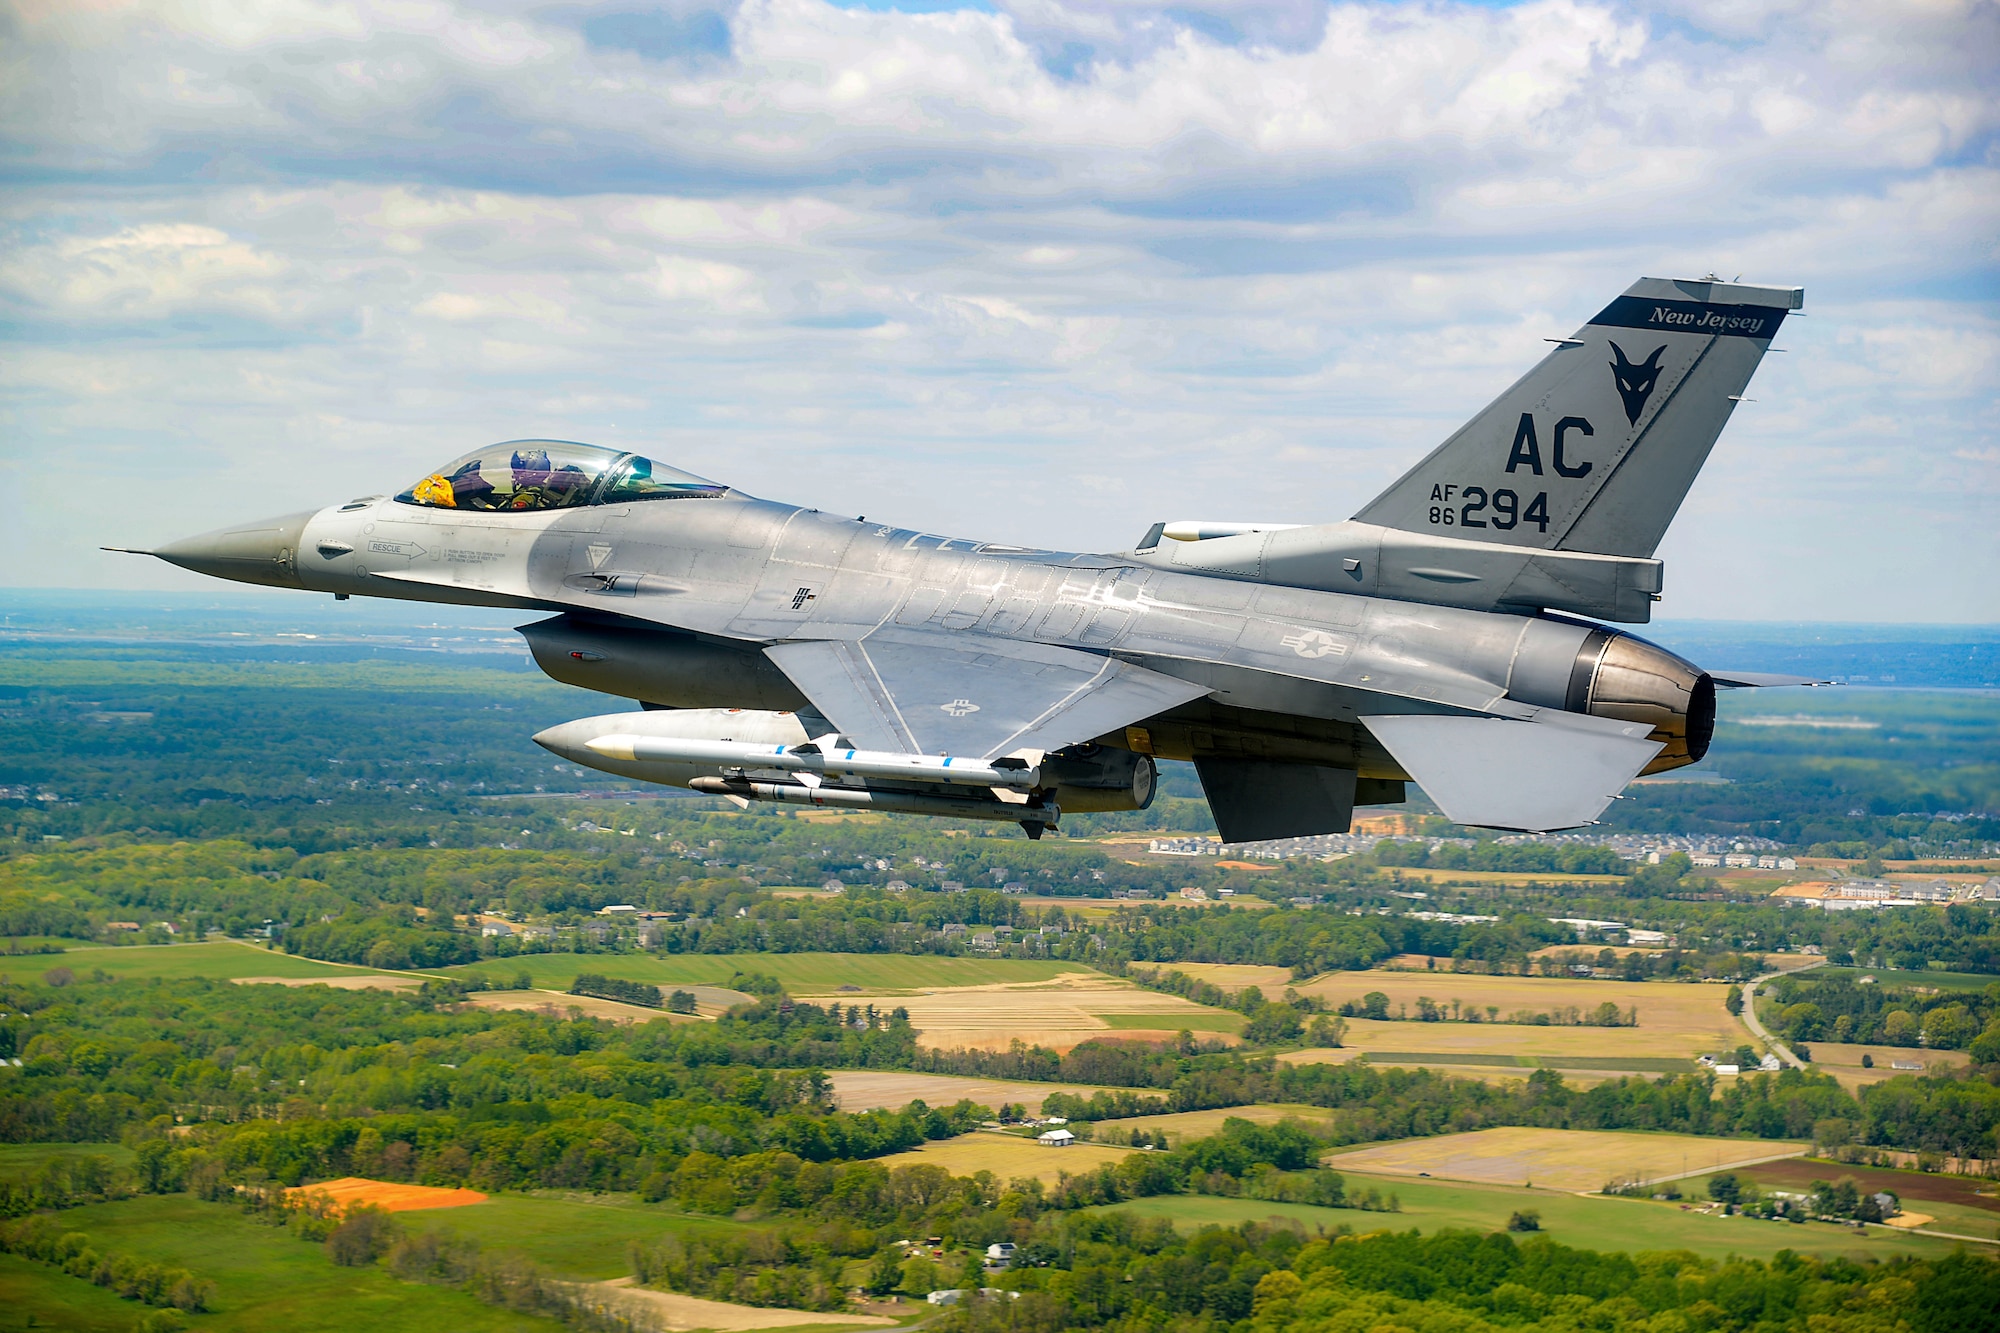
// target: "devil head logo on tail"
[[1635, 381]]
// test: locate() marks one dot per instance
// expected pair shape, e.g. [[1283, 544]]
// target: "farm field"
[[880, 1089], [1501, 1045], [576, 1235], [1676, 1019], [1060, 1012], [264, 1279], [224, 960], [1843, 1061], [1561, 1159], [1234, 976], [1208, 1020], [559, 1004], [799, 973], [1007, 1156], [1580, 1071], [389, 1195], [677, 1312], [1632, 1225], [1964, 1205], [19, 1159], [361, 981], [1183, 1125]]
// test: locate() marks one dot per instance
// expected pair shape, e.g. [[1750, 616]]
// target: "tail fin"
[[1595, 448]]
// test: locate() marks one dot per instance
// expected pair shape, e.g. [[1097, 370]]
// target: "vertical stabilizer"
[[1595, 448]]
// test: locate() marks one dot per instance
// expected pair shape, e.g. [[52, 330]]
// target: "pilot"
[[538, 484]]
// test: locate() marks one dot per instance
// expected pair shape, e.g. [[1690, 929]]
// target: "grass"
[[799, 973], [36, 1296], [1631, 1225], [21, 1159], [582, 1236], [264, 1278], [220, 959], [24, 945], [1214, 1020]]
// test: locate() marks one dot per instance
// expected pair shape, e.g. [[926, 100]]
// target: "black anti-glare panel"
[[1254, 799]]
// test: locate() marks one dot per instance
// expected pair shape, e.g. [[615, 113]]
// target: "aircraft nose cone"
[[265, 552]]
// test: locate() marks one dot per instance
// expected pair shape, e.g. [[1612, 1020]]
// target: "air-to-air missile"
[[1449, 633]]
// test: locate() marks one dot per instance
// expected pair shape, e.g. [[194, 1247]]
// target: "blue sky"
[[1033, 270]]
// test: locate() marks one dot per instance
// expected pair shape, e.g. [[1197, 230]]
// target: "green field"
[[221, 959], [24, 946], [265, 1279], [1585, 1222], [1889, 976], [580, 1236], [1213, 1021], [21, 1159], [799, 973]]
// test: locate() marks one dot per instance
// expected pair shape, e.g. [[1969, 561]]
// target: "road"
[[1751, 1021]]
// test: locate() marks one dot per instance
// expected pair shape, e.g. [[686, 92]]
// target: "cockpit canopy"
[[522, 475]]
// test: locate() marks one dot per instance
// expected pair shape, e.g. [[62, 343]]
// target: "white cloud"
[[1051, 273]]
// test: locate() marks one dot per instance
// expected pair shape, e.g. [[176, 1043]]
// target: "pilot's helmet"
[[531, 467]]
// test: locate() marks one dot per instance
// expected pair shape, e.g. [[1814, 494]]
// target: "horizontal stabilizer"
[[1760, 680], [1532, 776]]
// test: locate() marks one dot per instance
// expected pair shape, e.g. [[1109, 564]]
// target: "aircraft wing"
[[1556, 771], [969, 695]]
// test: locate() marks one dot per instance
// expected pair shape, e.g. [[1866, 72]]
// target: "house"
[[1195, 895], [985, 940], [951, 886], [898, 886], [492, 928], [1887, 1203], [833, 886], [948, 1297], [1648, 939], [1000, 1254], [617, 909], [1056, 1138], [1770, 1064], [1014, 886]]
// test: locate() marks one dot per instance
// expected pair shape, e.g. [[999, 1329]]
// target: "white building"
[[1056, 1138]]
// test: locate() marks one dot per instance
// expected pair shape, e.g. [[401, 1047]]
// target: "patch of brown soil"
[[388, 1195]]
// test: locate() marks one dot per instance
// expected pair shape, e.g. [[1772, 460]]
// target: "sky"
[[1036, 271]]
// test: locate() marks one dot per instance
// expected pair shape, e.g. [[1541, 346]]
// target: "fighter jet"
[[1449, 634]]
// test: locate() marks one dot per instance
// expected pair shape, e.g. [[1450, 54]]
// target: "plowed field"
[[389, 1195]]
